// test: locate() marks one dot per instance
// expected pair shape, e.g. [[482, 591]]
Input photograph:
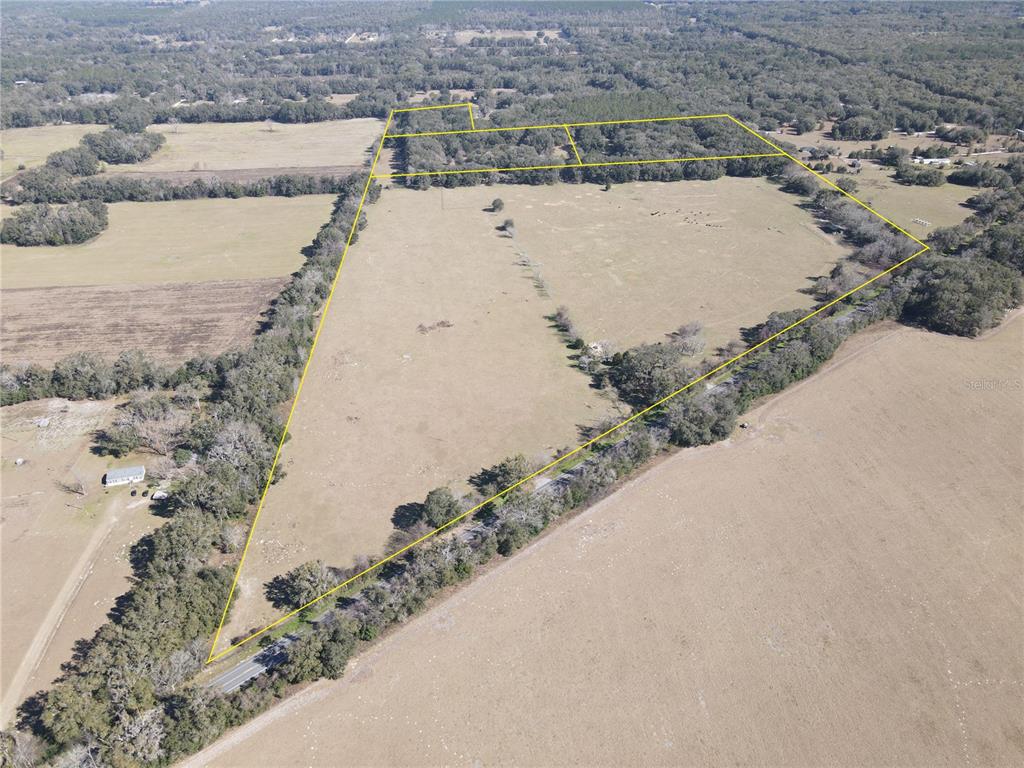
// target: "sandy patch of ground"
[[64, 554], [839, 584], [229, 146], [341, 99], [180, 241], [466, 36]]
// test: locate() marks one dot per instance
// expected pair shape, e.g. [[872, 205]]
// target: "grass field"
[[233, 146], [172, 321], [65, 554], [181, 241], [939, 206], [837, 585], [174, 279], [435, 360], [31, 146], [634, 263], [396, 403]]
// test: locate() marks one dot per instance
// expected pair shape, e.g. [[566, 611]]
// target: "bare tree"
[[687, 338]]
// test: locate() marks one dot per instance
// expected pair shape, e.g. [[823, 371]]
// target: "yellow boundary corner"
[[776, 152]]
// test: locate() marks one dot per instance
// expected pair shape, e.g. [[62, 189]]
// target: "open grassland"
[[64, 540], [634, 263], [173, 279], [909, 206], [466, 36], [31, 146], [172, 321], [181, 241], [839, 584], [435, 360], [233, 146], [823, 137], [398, 401]]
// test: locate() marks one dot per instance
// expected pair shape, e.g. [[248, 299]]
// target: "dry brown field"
[[634, 263], [31, 146], [234, 146], [174, 279], [172, 321], [456, 94], [839, 584], [180, 241], [64, 553], [394, 406], [395, 403]]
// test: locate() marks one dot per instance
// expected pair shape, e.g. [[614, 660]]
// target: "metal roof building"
[[124, 475]]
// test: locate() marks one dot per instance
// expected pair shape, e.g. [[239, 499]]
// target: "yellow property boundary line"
[[776, 152]]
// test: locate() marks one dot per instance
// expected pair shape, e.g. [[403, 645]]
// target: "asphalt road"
[[273, 655], [254, 666]]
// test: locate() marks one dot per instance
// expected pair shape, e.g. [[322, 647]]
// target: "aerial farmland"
[[417, 384]]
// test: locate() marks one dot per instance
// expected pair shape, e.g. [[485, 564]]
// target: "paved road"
[[269, 657], [254, 666]]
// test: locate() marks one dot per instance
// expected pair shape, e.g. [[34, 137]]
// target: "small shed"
[[124, 476]]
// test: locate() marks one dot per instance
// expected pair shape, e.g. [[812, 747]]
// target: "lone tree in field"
[[440, 507], [508, 227], [497, 205], [301, 584]]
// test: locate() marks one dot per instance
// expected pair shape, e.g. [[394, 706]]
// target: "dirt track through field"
[[64, 554], [838, 584]]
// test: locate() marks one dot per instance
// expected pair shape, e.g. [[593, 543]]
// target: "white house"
[[932, 160], [124, 476]]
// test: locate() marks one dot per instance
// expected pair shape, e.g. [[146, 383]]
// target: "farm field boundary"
[[771, 150]]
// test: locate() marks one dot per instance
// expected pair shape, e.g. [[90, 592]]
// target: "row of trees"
[[50, 225], [51, 185], [50, 182], [123, 700]]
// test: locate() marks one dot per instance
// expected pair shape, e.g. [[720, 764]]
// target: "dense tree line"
[[122, 700], [620, 145], [54, 225], [55, 186]]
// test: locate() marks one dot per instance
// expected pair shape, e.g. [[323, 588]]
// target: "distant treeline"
[[785, 65]]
